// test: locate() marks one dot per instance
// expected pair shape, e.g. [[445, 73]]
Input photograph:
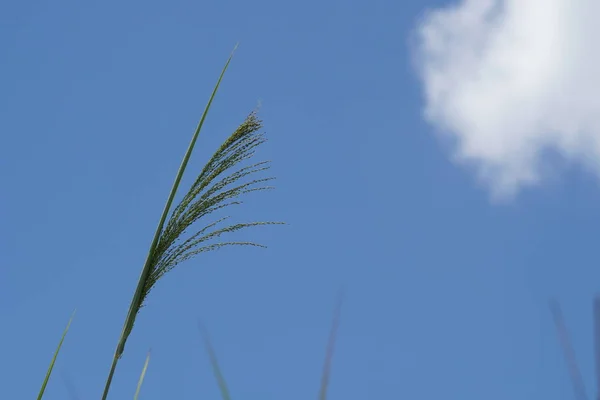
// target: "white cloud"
[[511, 79]]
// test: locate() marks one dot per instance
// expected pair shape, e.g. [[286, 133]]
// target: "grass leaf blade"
[[49, 372], [214, 363], [141, 380]]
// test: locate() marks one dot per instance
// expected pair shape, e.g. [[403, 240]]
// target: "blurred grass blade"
[[136, 302], [330, 347], [139, 385], [70, 387], [49, 372], [569, 352], [214, 363]]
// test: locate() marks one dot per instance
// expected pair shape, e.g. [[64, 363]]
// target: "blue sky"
[[446, 287]]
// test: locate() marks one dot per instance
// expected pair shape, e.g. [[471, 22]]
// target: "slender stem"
[[110, 376], [137, 297]]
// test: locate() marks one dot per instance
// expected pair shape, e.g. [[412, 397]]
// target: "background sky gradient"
[[446, 291]]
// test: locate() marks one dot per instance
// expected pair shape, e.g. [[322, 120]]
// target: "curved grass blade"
[[136, 302], [330, 347], [214, 363], [141, 380], [49, 372]]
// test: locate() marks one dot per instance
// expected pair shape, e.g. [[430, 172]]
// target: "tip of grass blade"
[[213, 362], [330, 347], [143, 374], [49, 372]]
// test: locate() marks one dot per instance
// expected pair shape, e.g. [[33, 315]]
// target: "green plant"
[[219, 185], [210, 192]]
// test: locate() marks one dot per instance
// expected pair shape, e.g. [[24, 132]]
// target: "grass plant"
[[183, 233]]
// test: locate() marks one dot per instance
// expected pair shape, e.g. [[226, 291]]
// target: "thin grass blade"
[[214, 363], [330, 347], [141, 380], [49, 372], [569, 353], [137, 297]]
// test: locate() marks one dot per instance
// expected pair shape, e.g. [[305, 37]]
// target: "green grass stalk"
[[136, 302]]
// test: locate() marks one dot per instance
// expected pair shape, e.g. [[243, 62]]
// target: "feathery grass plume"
[[330, 346], [218, 186], [141, 380], [214, 363], [49, 372]]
